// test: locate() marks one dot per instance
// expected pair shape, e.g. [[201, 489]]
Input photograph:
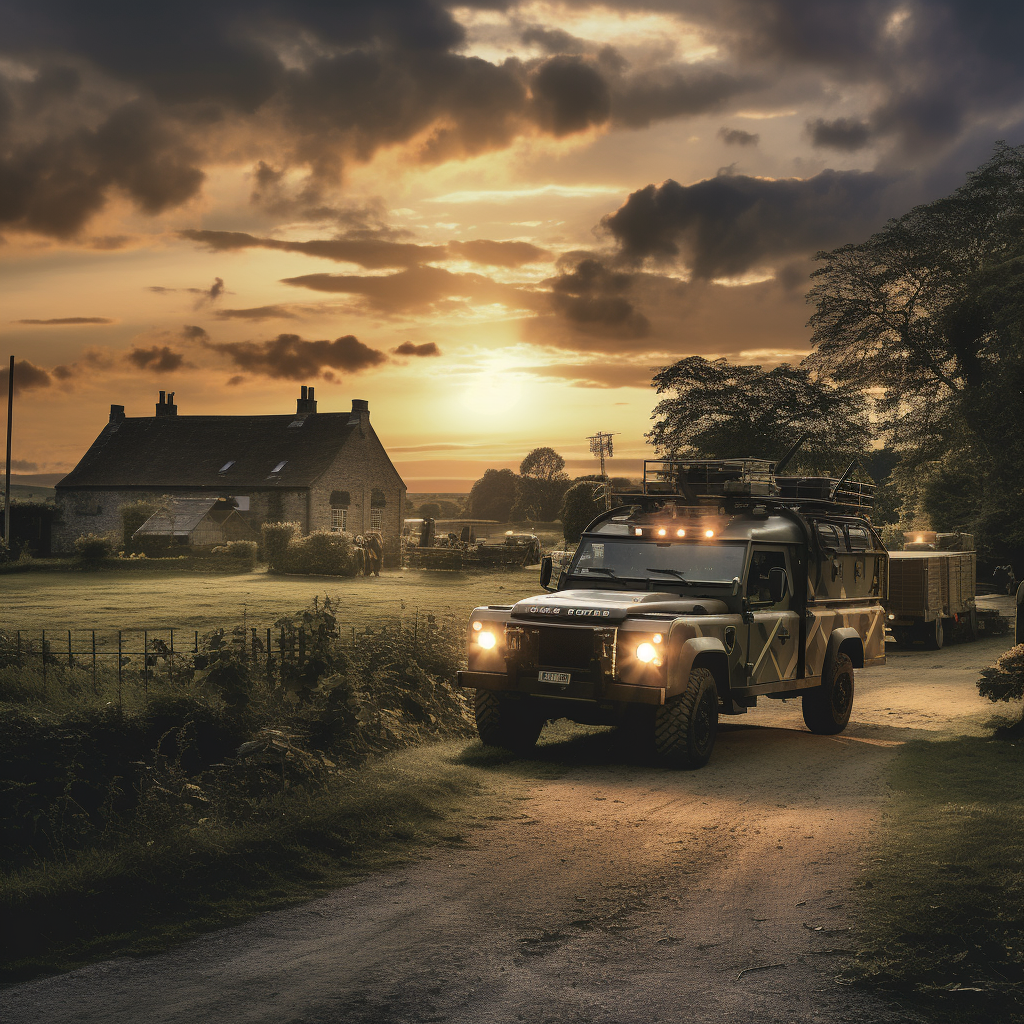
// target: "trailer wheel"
[[685, 726], [936, 634], [827, 707], [501, 722]]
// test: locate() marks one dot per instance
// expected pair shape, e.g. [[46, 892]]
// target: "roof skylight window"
[[279, 466], [226, 466]]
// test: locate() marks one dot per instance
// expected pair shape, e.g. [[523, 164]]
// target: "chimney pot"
[[360, 405], [162, 398], [311, 394], [304, 389], [306, 405], [116, 413], [166, 406]]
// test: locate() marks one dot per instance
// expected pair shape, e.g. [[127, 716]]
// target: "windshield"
[[627, 558]]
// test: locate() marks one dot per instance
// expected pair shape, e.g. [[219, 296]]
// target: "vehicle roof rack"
[[701, 481]]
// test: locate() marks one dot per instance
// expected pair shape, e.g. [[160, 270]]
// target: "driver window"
[[761, 563]]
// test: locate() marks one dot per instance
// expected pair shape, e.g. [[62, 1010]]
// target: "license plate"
[[560, 678]]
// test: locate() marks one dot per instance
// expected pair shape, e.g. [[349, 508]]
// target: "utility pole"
[[7, 474], [601, 447]]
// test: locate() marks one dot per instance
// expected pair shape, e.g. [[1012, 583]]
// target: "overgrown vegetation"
[[226, 773], [320, 553], [1005, 679], [944, 923]]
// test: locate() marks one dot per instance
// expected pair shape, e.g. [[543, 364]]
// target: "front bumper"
[[604, 692]]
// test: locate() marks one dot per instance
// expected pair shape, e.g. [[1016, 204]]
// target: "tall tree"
[[929, 312], [724, 410], [543, 464], [541, 485], [491, 497]]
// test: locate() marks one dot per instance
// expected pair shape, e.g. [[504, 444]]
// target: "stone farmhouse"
[[324, 471]]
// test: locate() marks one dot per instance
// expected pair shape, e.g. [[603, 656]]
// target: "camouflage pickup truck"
[[720, 584]]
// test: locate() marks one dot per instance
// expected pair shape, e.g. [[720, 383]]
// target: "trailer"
[[933, 590]]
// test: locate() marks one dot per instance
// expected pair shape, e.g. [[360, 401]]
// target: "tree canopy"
[[491, 497], [928, 313], [543, 464], [719, 410], [583, 502]]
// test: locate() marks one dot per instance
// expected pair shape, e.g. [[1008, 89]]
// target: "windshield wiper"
[[599, 568], [678, 575]]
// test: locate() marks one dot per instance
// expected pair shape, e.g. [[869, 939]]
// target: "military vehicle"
[[720, 584]]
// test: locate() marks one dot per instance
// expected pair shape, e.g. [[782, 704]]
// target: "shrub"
[[92, 546], [133, 515], [583, 502], [242, 550], [276, 538], [1005, 679], [321, 553]]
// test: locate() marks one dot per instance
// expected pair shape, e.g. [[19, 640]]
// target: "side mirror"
[[545, 571], [778, 584]]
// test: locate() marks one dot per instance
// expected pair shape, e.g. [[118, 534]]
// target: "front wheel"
[[685, 727], [827, 707], [501, 722]]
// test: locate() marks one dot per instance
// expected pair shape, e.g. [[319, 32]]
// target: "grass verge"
[[944, 921], [137, 899]]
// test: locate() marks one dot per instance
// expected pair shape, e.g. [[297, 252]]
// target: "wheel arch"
[[698, 652], [844, 640]]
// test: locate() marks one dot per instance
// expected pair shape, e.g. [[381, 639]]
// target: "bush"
[[321, 553], [93, 546], [242, 550], [582, 502], [276, 538], [1005, 679], [133, 515]]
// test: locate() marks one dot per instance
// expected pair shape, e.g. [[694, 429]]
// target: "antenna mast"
[[601, 447]]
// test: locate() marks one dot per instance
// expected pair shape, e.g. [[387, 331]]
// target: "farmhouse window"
[[377, 519], [339, 520]]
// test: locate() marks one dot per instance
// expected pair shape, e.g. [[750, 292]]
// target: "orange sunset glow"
[[493, 222]]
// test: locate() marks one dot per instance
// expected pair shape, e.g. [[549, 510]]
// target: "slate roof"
[[189, 451]]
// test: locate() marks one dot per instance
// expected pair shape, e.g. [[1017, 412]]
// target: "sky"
[[494, 222]]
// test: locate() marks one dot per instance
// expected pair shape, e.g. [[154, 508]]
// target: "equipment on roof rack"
[[699, 480]]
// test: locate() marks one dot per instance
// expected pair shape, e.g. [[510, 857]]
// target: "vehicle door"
[[773, 639]]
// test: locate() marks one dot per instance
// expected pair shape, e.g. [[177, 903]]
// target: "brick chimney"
[[166, 406], [306, 405], [360, 412], [116, 413]]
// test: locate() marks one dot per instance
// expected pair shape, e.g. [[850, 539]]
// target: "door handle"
[[783, 635]]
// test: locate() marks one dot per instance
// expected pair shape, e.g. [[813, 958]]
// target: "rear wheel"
[[501, 722], [827, 707], [936, 634], [685, 727]]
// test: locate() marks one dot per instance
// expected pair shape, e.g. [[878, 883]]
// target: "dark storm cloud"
[[569, 95], [844, 133], [256, 313], [593, 299], [738, 137], [158, 359], [408, 348], [418, 288], [289, 357], [553, 40], [670, 92], [68, 320], [27, 377], [726, 225]]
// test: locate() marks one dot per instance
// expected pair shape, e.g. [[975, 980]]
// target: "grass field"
[[202, 601]]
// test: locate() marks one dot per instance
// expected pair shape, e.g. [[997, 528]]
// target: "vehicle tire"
[[972, 625], [936, 634], [827, 707], [686, 725], [902, 636], [501, 722]]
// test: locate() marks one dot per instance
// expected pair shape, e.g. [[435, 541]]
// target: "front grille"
[[563, 647]]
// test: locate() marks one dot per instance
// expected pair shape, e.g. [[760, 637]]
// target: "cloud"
[[27, 377], [407, 348], [844, 133], [418, 288], [289, 357], [158, 359], [233, 382], [63, 372], [724, 226], [595, 375], [669, 92], [21, 466], [738, 137], [593, 299], [68, 320], [193, 332], [256, 313], [206, 295], [499, 254]]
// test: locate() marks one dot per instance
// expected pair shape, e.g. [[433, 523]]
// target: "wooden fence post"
[[145, 660], [120, 707], [42, 643], [94, 689]]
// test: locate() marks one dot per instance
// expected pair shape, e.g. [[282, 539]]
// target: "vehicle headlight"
[[646, 652], [486, 640]]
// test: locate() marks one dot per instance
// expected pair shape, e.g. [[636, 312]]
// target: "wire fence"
[[174, 651]]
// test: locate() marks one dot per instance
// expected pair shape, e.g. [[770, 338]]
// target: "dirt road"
[[620, 894]]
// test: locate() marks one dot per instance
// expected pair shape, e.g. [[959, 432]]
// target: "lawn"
[[154, 600]]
